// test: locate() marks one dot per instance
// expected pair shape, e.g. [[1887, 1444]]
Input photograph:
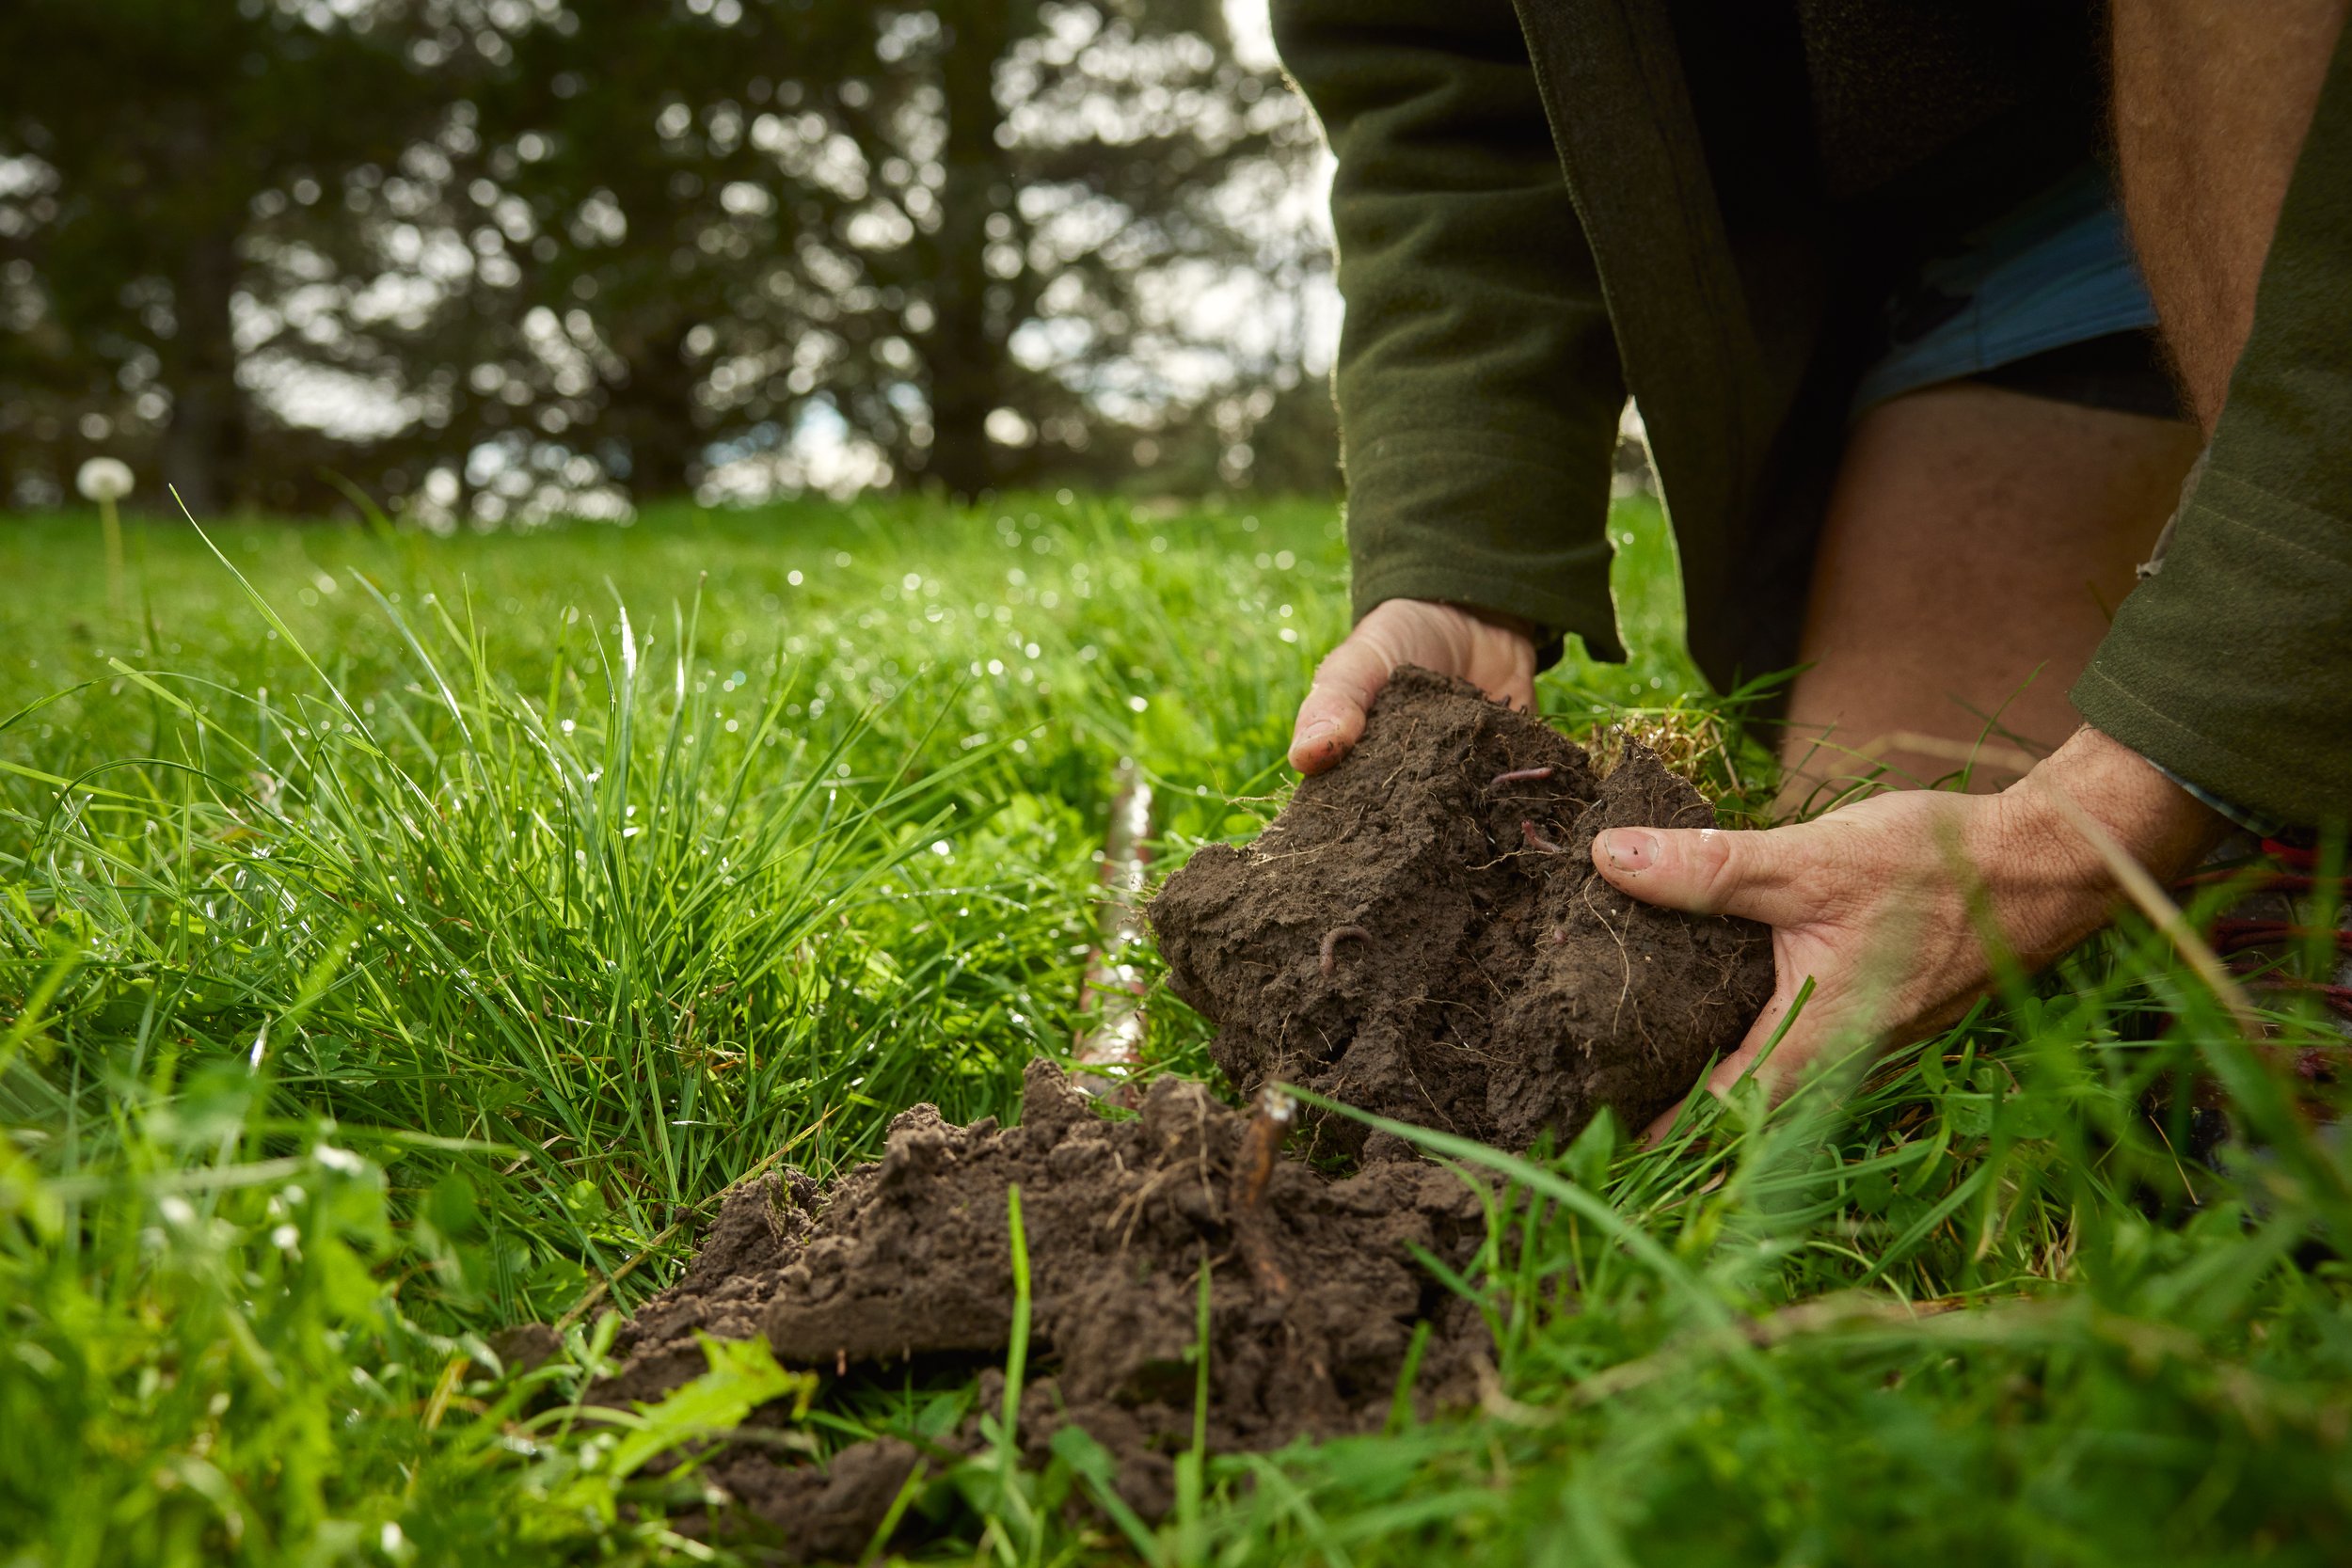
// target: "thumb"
[[1707, 870]]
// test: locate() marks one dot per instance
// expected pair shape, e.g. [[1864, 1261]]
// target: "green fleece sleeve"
[[1477, 382], [2232, 667]]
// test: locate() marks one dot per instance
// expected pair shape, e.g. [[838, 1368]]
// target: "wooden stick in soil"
[[1261, 1147], [1112, 992]]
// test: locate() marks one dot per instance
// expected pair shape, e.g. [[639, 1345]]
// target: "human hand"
[[1494, 653], [1871, 901]]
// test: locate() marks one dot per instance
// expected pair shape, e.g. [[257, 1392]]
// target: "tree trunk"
[[654, 413], [204, 447], [964, 351]]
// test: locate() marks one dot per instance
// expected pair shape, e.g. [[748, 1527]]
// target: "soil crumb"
[[1315, 1296], [1421, 933]]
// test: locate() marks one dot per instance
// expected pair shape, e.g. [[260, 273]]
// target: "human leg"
[[1976, 541], [2212, 101]]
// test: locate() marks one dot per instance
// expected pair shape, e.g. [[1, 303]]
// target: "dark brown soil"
[[1417, 934], [1422, 935], [1314, 1292]]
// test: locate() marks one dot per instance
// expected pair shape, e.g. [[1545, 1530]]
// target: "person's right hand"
[[1492, 653]]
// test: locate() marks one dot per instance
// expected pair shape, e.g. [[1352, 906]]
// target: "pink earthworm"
[[1332, 940], [1538, 841], [1518, 775]]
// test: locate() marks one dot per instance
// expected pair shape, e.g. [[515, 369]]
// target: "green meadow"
[[405, 937]]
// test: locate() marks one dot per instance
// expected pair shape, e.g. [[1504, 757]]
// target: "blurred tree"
[[1046, 181], [625, 137], [138, 136], [744, 237], [515, 256]]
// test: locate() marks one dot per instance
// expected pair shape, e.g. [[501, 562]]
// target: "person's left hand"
[[1871, 901]]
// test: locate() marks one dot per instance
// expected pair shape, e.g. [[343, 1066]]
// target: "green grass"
[[417, 943]]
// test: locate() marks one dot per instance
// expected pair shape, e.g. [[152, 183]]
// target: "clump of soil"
[[1314, 1293], [1421, 933]]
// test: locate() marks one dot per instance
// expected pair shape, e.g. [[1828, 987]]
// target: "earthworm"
[[1332, 940], [1518, 775], [1538, 841]]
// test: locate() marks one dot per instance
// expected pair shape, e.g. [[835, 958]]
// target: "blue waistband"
[[2057, 270]]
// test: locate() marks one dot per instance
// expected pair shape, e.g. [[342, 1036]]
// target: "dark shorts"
[[2047, 300]]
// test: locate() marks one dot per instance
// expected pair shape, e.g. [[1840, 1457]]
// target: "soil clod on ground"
[[1314, 1292], [1421, 933]]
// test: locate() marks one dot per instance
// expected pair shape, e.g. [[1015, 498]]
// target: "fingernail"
[[1321, 730], [1630, 849]]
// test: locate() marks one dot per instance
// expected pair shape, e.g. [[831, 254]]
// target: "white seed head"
[[103, 479]]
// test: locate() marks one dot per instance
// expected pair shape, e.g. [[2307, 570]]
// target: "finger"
[[1331, 719], [1759, 876]]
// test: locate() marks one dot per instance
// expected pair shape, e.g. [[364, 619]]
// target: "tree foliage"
[[504, 255]]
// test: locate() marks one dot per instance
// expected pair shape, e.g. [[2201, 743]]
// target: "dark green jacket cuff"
[[1444, 515]]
